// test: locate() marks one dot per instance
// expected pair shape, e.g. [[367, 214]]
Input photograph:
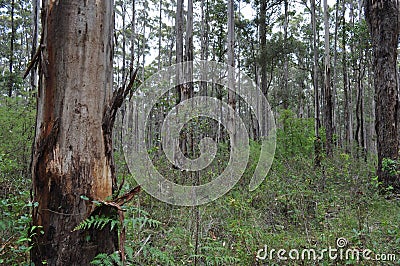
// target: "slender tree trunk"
[[285, 98], [73, 151], [11, 59], [335, 76], [35, 37], [315, 68], [317, 144], [328, 94], [383, 20], [262, 60], [179, 44], [263, 46], [159, 36], [133, 36], [347, 96], [124, 72], [231, 53]]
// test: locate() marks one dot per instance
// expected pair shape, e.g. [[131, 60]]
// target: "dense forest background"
[[315, 64]]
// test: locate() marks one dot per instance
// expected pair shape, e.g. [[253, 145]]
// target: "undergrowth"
[[298, 207]]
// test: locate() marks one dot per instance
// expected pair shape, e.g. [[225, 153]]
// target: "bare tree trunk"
[[11, 59], [231, 53], [347, 96], [159, 36], [73, 150], [285, 98], [35, 37], [317, 145], [383, 21], [335, 75], [328, 95], [263, 46], [179, 44], [124, 72]]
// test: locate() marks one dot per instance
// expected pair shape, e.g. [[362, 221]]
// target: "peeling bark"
[[72, 156]]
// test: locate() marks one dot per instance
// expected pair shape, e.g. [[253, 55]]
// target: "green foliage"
[[16, 136], [97, 222], [295, 136], [215, 253], [15, 230], [391, 166], [107, 260]]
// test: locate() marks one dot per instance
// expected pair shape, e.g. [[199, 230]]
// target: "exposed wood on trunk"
[[72, 155]]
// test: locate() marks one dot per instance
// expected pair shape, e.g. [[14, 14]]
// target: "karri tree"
[[384, 25], [72, 154]]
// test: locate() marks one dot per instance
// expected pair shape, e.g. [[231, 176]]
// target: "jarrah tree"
[[73, 151], [383, 20]]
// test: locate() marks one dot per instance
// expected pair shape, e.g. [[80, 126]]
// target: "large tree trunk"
[[383, 20], [72, 153]]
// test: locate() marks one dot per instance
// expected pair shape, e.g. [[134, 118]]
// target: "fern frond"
[[96, 222]]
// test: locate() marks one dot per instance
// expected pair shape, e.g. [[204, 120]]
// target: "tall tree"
[[179, 44], [348, 113], [384, 25], [35, 35], [73, 150], [231, 53], [285, 88], [318, 145], [11, 59], [327, 85]]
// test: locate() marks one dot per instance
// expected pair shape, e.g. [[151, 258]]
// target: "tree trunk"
[[11, 59], [327, 78], [72, 154], [383, 21], [231, 53], [159, 35], [335, 115], [285, 93], [35, 35], [347, 94], [179, 45], [317, 144]]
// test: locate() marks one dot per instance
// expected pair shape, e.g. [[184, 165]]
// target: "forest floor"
[[335, 210]]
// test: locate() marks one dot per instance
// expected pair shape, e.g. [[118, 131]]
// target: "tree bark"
[[383, 21], [35, 35], [231, 53], [179, 45], [347, 95], [72, 154], [328, 94], [317, 144], [11, 59], [285, 93]]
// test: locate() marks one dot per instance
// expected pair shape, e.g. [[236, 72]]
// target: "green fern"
[[107, 260], [142, 222], [96, 222]]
